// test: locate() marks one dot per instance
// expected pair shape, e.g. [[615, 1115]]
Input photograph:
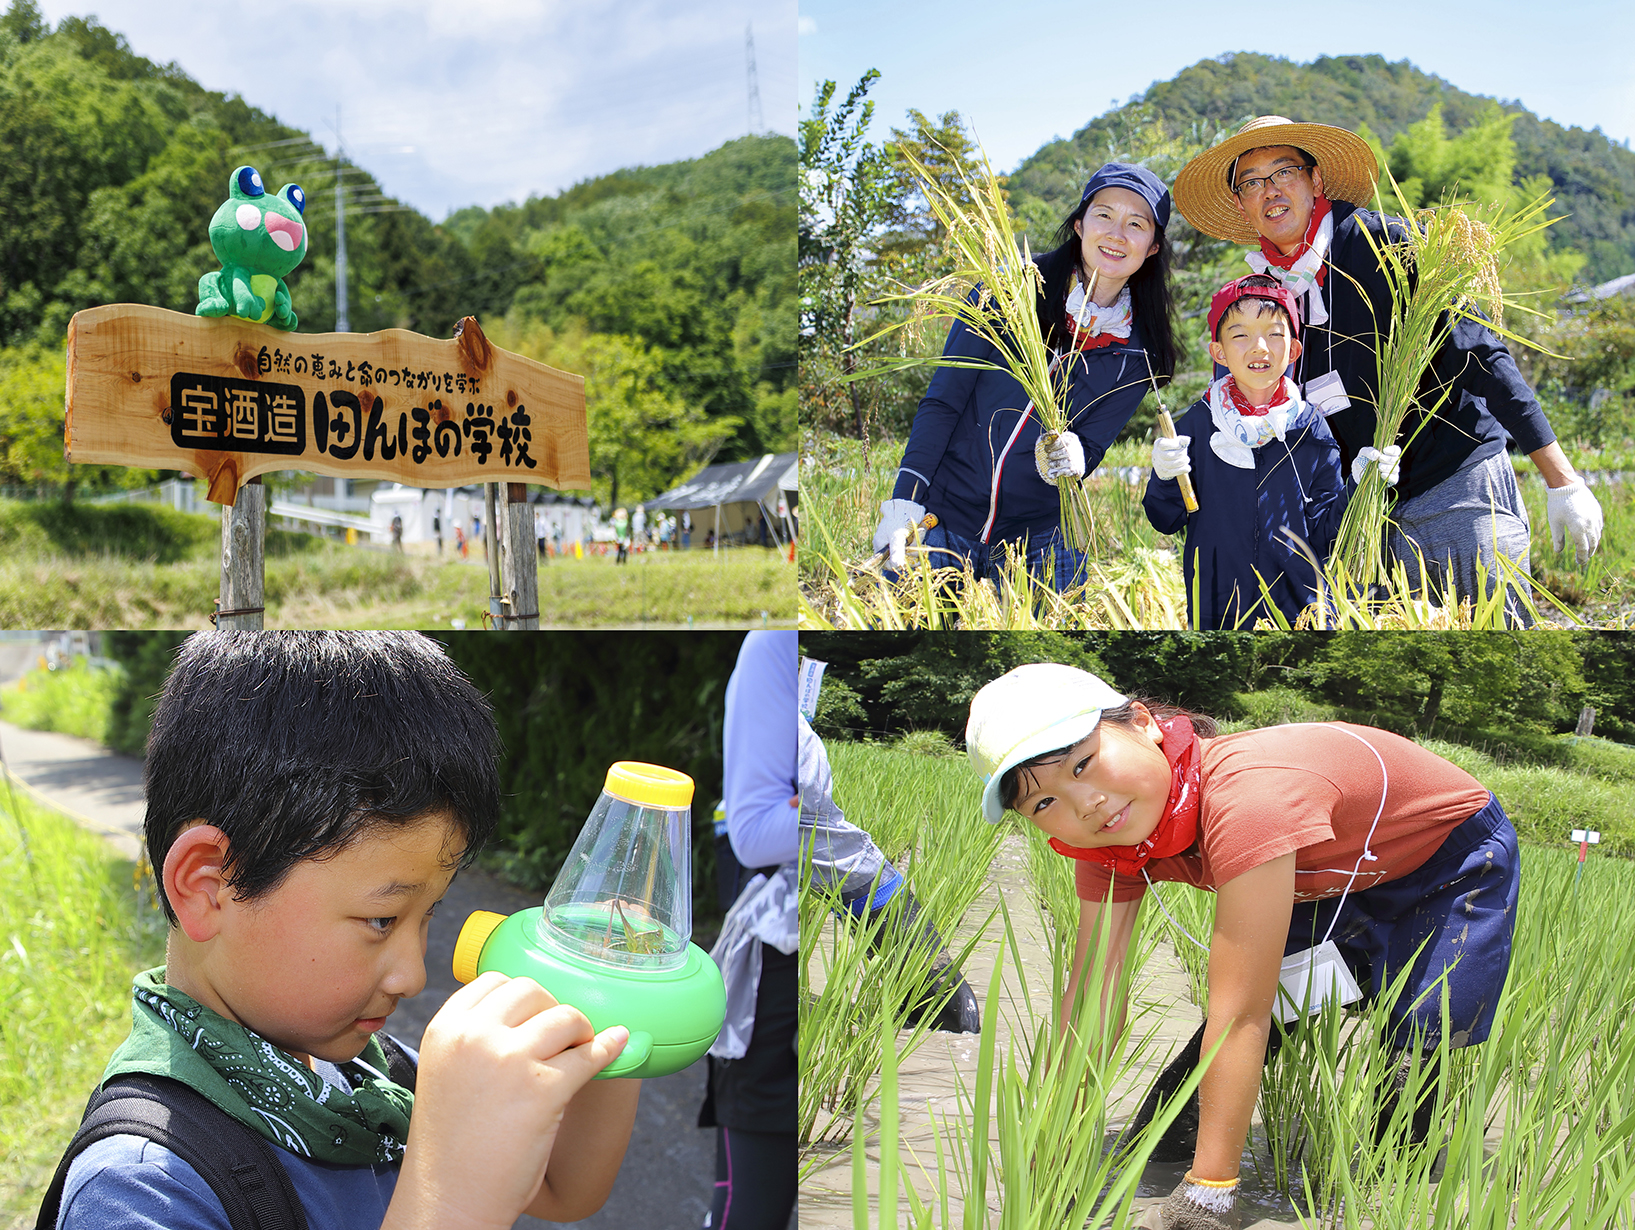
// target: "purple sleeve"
[[759, 751]]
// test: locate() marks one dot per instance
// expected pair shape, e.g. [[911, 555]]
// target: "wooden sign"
[[227, 400]]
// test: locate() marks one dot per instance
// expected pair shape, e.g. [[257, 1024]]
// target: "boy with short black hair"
[[1271, 468], [310, 798]]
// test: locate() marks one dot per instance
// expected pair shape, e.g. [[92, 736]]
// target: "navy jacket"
[[1488, 398], [1234, 534], [967, 417]]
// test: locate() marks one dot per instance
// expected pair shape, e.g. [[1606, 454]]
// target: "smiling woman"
[[1104, 313]]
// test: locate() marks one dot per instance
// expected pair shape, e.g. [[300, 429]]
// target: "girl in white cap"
[[1305, 832]]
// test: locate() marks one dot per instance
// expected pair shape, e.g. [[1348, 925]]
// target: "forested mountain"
[[113, 166], [1594, 178]]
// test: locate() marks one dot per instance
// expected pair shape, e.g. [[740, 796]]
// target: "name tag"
[[1312, 977], [1327, 393]]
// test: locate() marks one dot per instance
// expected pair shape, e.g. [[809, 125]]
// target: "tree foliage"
[[1467, 686]]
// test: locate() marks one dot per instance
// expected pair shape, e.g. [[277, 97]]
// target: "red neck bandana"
[[1177, 828], [1268, 249], [1241, 404]]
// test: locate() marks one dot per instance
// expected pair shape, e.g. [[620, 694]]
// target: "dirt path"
[[928, 1080]]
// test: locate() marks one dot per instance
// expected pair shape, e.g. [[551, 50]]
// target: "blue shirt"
[[131, 1183], [758, 750]]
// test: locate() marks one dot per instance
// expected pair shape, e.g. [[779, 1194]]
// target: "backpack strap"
[[399, 1065], [240, 1167]]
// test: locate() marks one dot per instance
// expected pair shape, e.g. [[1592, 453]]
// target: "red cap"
[[1229, 294]]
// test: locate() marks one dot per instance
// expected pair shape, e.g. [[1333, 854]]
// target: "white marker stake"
[[1584, 838]]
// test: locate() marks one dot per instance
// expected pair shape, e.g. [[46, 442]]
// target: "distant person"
[[437, 531], [1298, 192], [686, 530], [274, 854], [460, 541], [709, 540], [638, 528], [556, 537], [397, 532], [621, 534], [477, 534]]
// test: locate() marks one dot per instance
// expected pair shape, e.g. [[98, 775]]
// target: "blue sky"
[[477, 102], [1050, 68]]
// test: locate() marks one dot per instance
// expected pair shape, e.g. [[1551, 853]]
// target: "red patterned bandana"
[[1268, 249], [1240, 403], [1177, 828]]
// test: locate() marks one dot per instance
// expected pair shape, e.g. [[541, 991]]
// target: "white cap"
[[1038, 708]]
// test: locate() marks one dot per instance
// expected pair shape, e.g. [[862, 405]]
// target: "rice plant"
[[1535, 1127], [1442, 270], [859, 975], [992, 289]]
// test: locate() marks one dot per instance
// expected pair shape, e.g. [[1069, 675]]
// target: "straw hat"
[[1203, 191]]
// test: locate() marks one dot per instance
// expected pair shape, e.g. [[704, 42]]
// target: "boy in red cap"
[[1264, 467]]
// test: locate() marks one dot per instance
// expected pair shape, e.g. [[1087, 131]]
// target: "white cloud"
[[501, 99], [806, 25]]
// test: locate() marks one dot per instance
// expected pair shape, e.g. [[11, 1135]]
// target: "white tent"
[[736, 495]]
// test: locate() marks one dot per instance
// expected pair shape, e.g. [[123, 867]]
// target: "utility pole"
[[756, 123], [343, 323]]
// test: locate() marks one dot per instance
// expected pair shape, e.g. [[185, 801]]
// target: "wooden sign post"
[[227, 400]]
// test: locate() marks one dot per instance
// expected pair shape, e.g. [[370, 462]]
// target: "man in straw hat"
[[1298, 191]]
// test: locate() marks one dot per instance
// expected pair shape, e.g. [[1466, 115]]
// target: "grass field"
[[1539, 1121], [142, 567], [72, 936], [1129, 558]]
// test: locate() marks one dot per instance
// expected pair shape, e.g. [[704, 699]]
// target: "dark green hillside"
[[1594, 178]]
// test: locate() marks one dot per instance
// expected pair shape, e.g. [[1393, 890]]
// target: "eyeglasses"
[[1280, 177]]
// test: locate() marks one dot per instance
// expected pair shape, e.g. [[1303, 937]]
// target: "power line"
[[756, 122]]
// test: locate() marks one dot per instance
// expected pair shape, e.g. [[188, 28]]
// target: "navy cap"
[[1138, 180]]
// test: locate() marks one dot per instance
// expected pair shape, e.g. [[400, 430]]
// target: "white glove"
[[1169, 456], [897, 517], [1062, 456], [1574, 513], [1389, 459]]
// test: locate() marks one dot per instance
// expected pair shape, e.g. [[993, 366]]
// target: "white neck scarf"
[[1091, 320], [1301, 277], [1236, 436]]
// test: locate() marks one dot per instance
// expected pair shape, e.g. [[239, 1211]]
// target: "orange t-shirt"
[[1313, 789]]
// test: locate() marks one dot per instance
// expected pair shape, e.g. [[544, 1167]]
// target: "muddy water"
[[929, 1079]]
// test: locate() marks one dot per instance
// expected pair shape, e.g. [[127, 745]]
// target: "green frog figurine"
[[258, 239]]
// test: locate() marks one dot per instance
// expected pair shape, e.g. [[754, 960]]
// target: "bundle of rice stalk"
[[1441, 269], [992, 289]]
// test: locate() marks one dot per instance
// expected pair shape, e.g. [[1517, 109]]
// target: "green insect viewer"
[[613, 937]]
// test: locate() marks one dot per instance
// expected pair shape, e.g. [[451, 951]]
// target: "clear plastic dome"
[[624, 895]]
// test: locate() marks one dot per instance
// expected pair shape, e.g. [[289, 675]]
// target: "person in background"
[[752, 1096]]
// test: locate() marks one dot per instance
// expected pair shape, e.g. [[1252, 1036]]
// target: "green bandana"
[[261, 1086]]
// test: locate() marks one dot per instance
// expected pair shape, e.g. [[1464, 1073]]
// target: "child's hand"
[[1169, 456], [498, 1065]]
